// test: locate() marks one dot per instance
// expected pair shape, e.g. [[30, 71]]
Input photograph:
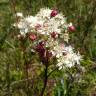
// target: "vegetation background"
[[13, 81]]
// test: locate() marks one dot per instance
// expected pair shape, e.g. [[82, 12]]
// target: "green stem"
[[8, 79], [45, 81]]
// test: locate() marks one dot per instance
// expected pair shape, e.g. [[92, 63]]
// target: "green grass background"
[[83, 15]]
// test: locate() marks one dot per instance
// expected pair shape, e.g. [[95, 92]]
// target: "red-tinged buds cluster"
[[40, 48], [44, 54]]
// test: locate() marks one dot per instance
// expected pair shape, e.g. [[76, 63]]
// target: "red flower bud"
[[71, 28], [54, 35], [53, 13], [32, 37], [40, 48]]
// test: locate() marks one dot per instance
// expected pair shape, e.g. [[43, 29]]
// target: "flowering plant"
[[49, 31]]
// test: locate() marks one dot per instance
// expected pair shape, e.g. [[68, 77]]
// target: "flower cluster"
[[50, 29]]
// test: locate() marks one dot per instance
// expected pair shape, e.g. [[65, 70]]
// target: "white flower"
[[31, 20], [44, 13], [19, 14], [70, 59], [48, 25], [70, 24]]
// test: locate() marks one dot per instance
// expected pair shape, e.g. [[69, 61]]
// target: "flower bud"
[[32, 37], [71, 28], [53, 13], [54, 35]]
